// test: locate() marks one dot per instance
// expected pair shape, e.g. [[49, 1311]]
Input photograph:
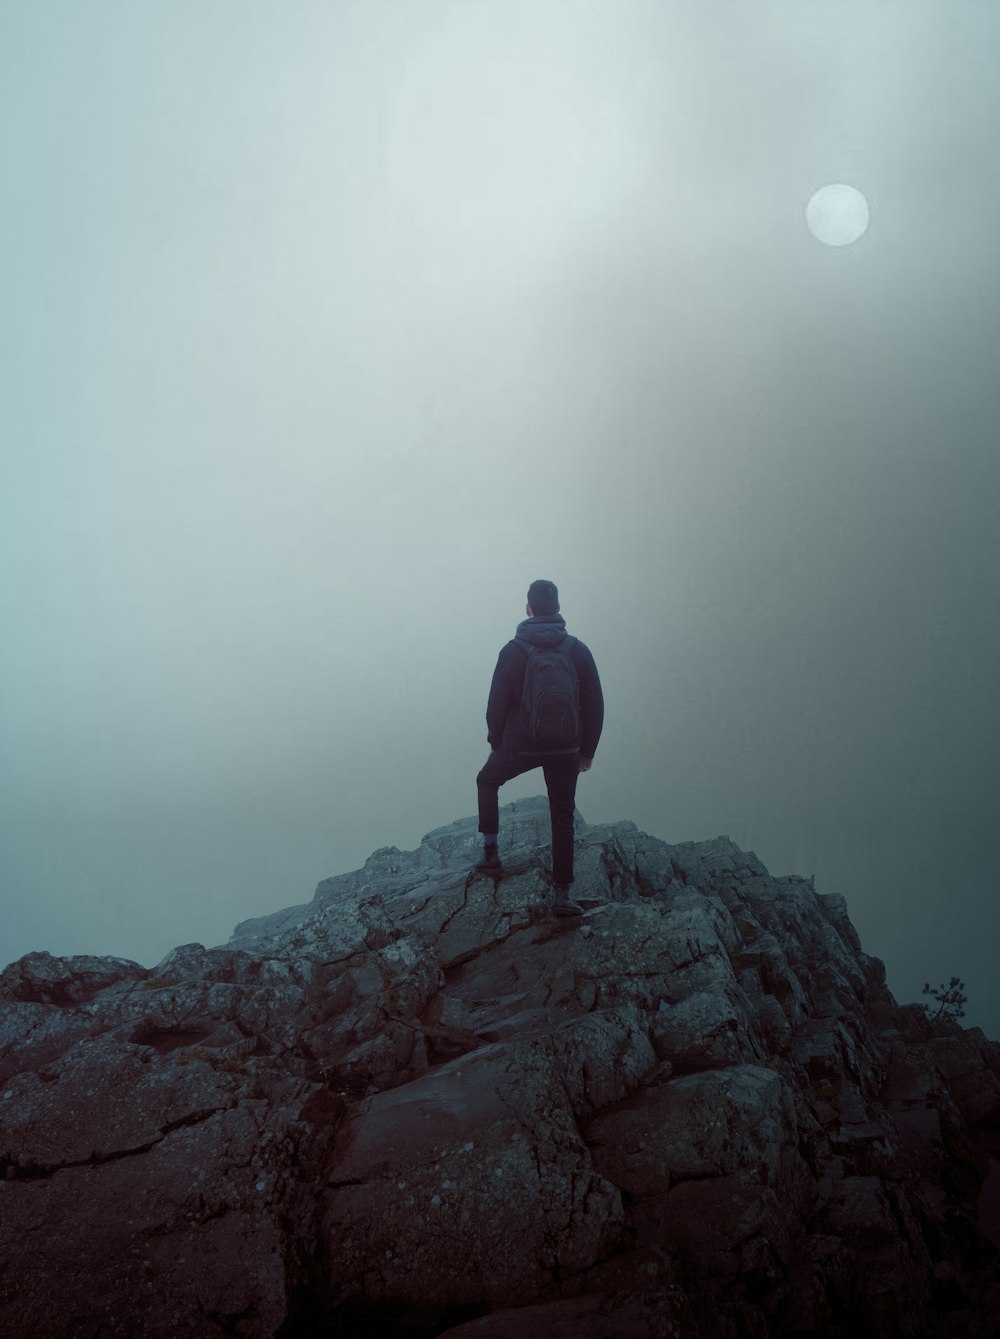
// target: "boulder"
[[421, 1105]]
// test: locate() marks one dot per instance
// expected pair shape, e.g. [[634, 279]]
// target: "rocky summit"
[[422, 1105]]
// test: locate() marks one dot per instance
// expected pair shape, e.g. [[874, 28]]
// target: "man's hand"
[[584, 764]]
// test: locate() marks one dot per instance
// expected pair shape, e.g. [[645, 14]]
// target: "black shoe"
[[490, 863], [563, 906]]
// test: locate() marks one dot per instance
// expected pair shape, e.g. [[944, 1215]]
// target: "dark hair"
[[543, 597]]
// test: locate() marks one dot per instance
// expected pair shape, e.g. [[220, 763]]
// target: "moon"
[[837, 215]]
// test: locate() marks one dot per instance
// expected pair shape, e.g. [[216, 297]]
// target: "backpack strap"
[[566, 644]]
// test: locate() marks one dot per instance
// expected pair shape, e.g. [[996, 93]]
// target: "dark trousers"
[[561, 772]]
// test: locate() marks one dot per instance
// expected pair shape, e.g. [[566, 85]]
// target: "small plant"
[[950, 999]]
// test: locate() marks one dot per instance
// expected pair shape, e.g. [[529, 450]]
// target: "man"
[[521, 738]]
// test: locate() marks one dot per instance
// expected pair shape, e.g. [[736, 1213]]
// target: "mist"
[[328, 328]]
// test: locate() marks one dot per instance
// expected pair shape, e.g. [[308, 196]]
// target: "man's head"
[[543, 598]]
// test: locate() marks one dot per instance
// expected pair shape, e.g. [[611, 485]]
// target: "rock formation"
[[420, 1105]]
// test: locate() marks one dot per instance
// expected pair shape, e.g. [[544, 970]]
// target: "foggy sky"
[[328, 327]]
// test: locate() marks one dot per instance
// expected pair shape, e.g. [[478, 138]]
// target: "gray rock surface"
[[422, 1105]]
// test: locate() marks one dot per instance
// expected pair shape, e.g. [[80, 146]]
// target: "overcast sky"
[[327, 327]]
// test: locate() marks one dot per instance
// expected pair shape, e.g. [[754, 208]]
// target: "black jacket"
[[504, 718]]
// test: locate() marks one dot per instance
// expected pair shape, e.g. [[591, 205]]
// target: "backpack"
[[550, 698]]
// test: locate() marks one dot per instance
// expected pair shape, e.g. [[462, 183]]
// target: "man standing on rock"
[[545, 709]]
